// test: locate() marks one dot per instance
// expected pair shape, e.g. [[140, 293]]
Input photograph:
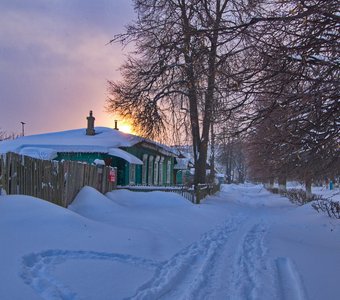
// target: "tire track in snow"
[[251, 268], [180, 277], [220, 263], [37, 269], [290, 282], [258, 277], [187, 272]]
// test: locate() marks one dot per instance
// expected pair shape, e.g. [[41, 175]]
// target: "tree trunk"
[[209, 102], [212, 157], [308, 187], [199, 147], [201, 165], [282, 184]]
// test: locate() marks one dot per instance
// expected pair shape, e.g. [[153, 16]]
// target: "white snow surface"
[[125, 155], [243, 243], [182, 163], [326, 193]]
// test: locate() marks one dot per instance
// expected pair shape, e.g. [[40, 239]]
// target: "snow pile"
[[48, 252], [243, 243], [93, 205]]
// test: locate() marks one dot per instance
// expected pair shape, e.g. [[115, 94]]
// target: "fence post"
[[198, 194]]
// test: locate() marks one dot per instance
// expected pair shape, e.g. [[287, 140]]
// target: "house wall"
[[149, 157], [75, 156], [133, 174], [182, 176], [179, 176]]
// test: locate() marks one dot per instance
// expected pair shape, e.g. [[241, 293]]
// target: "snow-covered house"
[[139, 161], [182, 168]]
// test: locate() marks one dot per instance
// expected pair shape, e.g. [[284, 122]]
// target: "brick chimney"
[[116, 125], [90, 124]]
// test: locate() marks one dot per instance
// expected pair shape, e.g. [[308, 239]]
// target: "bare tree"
[[5, 136], [298, 92], [200, 63], [186, 52]]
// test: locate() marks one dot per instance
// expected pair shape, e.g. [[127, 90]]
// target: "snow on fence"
[[56, 182], [189, 193]]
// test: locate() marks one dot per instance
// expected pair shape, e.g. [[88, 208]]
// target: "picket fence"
[[54, 181], [194, 195]]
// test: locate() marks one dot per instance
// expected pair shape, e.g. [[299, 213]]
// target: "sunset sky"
[[55, 61]]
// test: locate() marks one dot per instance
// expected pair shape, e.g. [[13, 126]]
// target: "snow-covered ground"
[[243, 243]]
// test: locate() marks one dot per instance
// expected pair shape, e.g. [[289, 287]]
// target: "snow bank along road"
[[259, 246]]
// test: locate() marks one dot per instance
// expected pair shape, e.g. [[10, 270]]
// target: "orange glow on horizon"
[[123, 124], [125, 127]]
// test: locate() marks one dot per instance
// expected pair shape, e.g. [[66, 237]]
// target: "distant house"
[[182, 167], [139, 161]]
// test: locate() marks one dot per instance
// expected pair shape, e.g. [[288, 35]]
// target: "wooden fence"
[[186, 192], [56, 182], [189, 193]]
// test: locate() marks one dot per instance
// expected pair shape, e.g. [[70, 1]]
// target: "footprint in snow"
[[38, 267]]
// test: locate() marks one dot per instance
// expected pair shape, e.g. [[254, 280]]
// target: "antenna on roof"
[[23, 128]]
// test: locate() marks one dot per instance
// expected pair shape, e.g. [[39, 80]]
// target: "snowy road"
[[249, 245], [228, 262]]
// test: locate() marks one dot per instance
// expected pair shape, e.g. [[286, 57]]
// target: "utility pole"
[[23, 128]]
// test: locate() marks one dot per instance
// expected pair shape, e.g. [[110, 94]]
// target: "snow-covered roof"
[[220, 175], [182, 163], [106, 140], [125, 155]]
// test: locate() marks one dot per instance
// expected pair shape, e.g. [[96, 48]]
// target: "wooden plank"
[[62, 182], [57, 182], [2, 171], [13, 175]]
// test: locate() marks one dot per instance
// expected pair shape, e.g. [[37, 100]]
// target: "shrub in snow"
[[296, 196], [300, 197], [332, 208]]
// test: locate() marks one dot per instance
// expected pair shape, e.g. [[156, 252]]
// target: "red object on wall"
[[112, 176]]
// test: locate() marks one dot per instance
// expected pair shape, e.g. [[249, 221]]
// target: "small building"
[[139, 161], [182, 174]]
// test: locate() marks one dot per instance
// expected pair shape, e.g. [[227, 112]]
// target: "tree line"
[[261, 73], [6, 136]]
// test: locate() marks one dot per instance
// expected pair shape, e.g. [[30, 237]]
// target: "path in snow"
[[188, 274], [227, 262]]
